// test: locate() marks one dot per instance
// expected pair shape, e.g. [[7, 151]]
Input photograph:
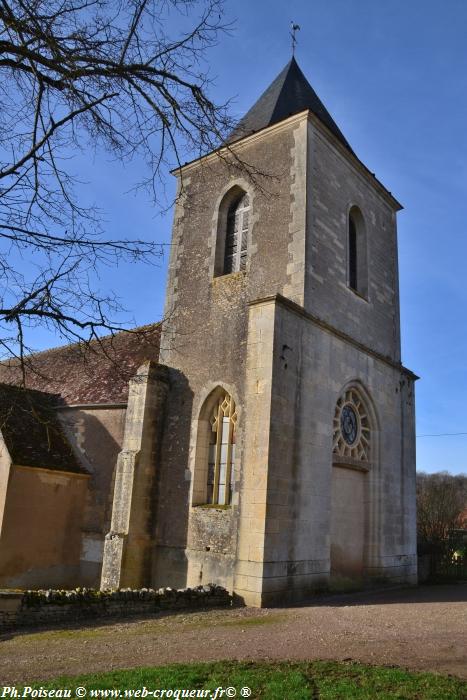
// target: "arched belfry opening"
[[233, 226], [352, 460], [357, 256]]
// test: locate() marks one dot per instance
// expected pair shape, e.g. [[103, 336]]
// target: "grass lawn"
[[271, 681]]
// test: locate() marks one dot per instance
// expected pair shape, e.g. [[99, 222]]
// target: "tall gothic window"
[[221, 459], [357, 270], [236, 234]]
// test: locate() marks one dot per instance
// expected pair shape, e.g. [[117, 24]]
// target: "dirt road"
[[420, 629]]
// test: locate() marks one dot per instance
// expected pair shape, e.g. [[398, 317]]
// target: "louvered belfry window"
[[236, 240]]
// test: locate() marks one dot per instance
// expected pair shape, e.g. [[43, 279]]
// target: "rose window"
[[351, 436]]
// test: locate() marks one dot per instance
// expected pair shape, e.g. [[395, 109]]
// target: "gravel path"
[[420, 629]]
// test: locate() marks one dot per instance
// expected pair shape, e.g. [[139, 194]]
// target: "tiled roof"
[[98, 373], [32, 432], [290, 93]]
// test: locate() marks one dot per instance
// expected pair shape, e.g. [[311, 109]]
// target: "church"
[[263, 436]]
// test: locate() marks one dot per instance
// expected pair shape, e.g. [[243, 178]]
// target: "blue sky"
[[394, 77]]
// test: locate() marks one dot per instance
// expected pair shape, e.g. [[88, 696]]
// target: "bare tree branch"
[[441, 504], [77, 75]]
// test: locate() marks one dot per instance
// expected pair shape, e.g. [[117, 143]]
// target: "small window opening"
[[352, 255], [357, 267]]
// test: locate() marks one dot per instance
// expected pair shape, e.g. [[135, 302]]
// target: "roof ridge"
[[77, 344], [288, 94], [25, 389], [32, 431]]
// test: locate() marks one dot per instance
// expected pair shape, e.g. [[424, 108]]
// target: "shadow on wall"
[[95, 434], [171, 493], [59, 576], [41, 532]]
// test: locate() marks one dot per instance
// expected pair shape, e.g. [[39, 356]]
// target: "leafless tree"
[[77, 75], [441, 505]]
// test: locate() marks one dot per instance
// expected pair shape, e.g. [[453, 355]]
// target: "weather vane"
[[294, 29]]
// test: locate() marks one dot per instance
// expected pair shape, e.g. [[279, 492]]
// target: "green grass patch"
[[158, 626], [253, 621], [180, 625], [271, 681], [59, 635]]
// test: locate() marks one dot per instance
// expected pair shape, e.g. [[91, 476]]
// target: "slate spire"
[[290, 93]]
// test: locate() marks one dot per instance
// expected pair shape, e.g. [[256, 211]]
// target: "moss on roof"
[[32, 432], [92, 373]]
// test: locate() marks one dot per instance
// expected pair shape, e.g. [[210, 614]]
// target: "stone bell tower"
[[288, 450]]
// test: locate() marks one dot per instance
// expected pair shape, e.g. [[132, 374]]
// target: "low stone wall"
[[35, 608]]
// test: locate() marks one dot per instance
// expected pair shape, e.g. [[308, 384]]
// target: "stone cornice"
[[239, 145], [90, 406], [300, 311], [55, 472], [355, 161]]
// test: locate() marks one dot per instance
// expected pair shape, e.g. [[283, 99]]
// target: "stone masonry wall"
[[334, 184], [97, 433], [297, 370], [204, 341], [24, 610], [285, 367], [40, 540], [128, 545], [253, 503], [312, 366]]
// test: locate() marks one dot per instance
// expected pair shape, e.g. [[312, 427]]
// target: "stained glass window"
[[221, 461]]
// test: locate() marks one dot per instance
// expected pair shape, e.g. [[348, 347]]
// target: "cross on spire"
[[294, 29]]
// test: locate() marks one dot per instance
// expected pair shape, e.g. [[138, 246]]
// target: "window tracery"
[[351, 430], [221, 459]]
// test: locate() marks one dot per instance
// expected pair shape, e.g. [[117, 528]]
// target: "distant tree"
[[77, 75], [441, 505]]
